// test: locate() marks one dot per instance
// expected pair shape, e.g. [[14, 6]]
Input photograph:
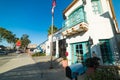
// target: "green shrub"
[[38, 54], [104, 73]]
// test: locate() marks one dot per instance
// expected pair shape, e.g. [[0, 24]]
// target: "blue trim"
[[76, 17], [99, 6], [85, 49]]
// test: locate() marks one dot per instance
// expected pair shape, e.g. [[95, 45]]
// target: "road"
[[5, 58]]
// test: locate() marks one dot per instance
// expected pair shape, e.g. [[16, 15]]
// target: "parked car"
[[19, 51], [3, 52]]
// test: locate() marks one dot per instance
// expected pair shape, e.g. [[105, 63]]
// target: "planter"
[[64, 63], [90, 70]]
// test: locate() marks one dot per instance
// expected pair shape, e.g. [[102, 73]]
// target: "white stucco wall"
[[48, 45], [99, 27]]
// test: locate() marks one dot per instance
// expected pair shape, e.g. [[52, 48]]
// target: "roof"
[[73, 2]]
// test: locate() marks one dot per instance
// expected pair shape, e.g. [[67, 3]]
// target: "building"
[[31, 47], [89, 25], [58, 44], [43, 47]]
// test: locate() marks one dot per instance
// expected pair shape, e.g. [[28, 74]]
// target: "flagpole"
[[51, 51], [51, 64]]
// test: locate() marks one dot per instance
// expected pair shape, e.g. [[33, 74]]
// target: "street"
[[5, 58], [24, 67]]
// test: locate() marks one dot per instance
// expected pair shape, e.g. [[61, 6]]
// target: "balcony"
[[81, 27], [75, 23]]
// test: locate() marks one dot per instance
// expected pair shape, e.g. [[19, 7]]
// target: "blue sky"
[[33, 17], [116, 5]]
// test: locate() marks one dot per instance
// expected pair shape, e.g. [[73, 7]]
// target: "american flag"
[[53, 6]]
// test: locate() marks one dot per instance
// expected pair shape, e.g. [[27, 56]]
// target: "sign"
[[18, 43]]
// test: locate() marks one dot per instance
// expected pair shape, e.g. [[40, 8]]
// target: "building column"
[[57, 49]]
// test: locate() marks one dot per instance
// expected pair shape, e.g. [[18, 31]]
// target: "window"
[[79, 53], [106, 51], [96, 6], [76, 17]]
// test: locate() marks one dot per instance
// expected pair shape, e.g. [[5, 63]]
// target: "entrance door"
[[106, 53], [62, 47], [80, 52]]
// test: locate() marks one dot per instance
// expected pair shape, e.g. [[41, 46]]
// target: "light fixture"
[[84, 2], [90, 40]]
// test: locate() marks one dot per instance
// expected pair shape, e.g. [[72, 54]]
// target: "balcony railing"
[[74, 20], [75, 23]]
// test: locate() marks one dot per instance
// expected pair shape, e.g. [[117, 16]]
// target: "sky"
[[33, 17], [116, 5]]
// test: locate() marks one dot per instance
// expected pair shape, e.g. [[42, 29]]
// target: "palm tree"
[[7, 35], [2, 33], [55, 29]]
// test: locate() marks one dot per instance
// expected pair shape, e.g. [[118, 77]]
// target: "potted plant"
[[91, 64], [65, 60]]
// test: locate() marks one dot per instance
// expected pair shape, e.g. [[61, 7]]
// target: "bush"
[[38, 54], [92, 62], [104, 73]]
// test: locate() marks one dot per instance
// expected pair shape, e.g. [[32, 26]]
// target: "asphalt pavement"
[[5, 58]]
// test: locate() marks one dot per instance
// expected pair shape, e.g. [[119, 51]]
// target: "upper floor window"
[[96, 6], [76, 17]]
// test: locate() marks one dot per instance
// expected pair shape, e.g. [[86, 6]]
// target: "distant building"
[[31, 48], [32, 45], [42, 47]]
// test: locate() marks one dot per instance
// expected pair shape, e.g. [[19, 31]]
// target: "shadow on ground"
[[37, 71]]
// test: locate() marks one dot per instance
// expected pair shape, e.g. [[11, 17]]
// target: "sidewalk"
[[24, 67], [57, 65]]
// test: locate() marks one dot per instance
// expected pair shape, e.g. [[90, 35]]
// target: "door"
[[106, 53], [62, 47], [54, 48], [80, 52]]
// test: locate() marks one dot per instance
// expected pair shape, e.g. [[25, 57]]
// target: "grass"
[[38, 54]]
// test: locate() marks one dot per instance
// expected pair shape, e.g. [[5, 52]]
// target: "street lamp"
[[90, 41], [84, 2]]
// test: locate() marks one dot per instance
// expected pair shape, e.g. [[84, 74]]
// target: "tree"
[[7, 35], [55, 29], [3, 33], [24, 41]]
